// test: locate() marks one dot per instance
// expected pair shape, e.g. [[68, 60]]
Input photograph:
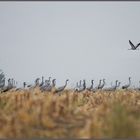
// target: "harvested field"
[[32, 113]]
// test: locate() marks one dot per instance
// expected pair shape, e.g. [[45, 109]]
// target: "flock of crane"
[[50, 85], [45, 85], [101, 86]]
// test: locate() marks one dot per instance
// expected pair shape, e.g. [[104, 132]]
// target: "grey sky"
[[75, 40]]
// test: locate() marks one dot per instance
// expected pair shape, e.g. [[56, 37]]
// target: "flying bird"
[[133, 47]]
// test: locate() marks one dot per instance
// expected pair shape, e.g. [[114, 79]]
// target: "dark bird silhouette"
[[29, 86], [47, 87], [78, 86], [100, 82], [82, 87], [102, 85], [2, 84], [24, 84], [113, 88], [53, 83], [127, 85], [42, 82], [59, 89], [37, 82], [47, 83], [91, 87], [8, 87], [119, 83], [133, 47], [97, 87]]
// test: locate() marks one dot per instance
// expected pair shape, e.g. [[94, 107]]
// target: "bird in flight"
[[133, 47]]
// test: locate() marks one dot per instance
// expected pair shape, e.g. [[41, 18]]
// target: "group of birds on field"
[[11, 85], [45, 85], [50, 85], [101, 86]]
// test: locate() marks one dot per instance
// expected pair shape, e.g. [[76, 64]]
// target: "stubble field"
[[32, 113]]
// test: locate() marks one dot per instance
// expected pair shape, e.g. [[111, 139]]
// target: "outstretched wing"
[[132, 45], [137, 45]]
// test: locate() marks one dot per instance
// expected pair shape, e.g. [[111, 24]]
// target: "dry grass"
[[31, 113]]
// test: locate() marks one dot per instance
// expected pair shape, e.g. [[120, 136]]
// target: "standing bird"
[[91, 87], [112, 88], [53, 83], [59, 89], [82, 88], [13, 83], [42, 82], [101, 86], [24, 85], [37, 82], [8, 87], [132, 46], [47, 87], [118, 84], [76, 87], [80, 83], [127, 85], [98, 85], [2, 84], [49, 81]]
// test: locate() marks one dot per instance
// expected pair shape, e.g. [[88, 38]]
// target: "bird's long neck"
[[66, 83], [24, 84], [49, 79], [129, 81], [84, 84], [37, 82], [92, 83], [42, 79], [103, 82], [99, 84], [9, 82], [53, 83], [80, 83], [116, 84]]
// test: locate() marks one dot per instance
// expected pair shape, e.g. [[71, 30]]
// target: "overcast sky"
[[75, 40]]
